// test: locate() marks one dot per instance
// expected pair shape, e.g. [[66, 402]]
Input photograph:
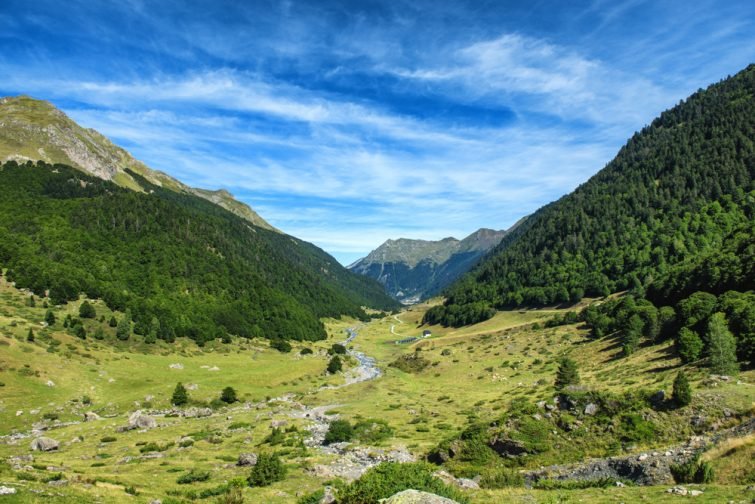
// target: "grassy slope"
[[442, 397]]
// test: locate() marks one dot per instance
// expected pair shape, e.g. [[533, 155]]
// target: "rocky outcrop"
[[139, 420]]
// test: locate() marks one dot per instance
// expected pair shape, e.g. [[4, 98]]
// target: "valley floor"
[[287, 401]]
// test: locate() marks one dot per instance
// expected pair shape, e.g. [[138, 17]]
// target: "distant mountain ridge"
[[36, 130], [412, 270]]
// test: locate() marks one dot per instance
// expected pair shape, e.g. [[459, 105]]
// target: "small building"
[[426, 333]]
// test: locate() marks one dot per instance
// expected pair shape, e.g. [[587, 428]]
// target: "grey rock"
[[58, 483], [91, 416], [197, 413], [247, 459], [416, 497], [4, 490], [591, 409], [44, 444], [139, 420], [508, 447]]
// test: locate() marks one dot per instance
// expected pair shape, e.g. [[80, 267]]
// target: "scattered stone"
[[176, 366], [192, 386], [149, 397], [643, 457], [196, 413], [247, 459], [50, 383], [4, 490], [695, 493], [591, 409], [678, 490], [619, 484], [44, 444], [416, 497], [214, 368], [91, 416], [508, 447], [329, 496], [58, 483], [19, 412]]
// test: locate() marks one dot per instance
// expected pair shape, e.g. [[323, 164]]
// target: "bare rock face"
[[416, 497], [247, 459], [139, 420], [44, 444]]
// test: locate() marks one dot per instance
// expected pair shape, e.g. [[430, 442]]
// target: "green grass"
[[496, 361]]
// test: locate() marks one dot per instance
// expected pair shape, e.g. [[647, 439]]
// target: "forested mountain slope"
[[181, 265], [673, 193], [33, 129]]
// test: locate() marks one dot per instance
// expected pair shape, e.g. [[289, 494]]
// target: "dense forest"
[[653, 218], [178, 264]]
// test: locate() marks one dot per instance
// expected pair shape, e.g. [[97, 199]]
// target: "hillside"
[[35, 130], [412, 270], [674, 192], [179, 264]]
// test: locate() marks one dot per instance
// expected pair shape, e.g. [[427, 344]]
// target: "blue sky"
[[346, 123]]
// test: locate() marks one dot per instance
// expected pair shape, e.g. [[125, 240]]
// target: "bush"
[[337, 349], [389, 478], [693, 471], [411, 363], [193, 476], [86, 310], [335, 365], [267, 471], [281, 345], [50, 318], [305, 351], [228, 395], [635, 428], [689, 345], [108, 439], [339, 431], [501, 479], [682, 393]]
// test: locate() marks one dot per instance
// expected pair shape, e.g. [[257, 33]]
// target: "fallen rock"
[[591, 409], [247, 459], [4, 490], [58, 483], [678, 490], [694, 493], [416, 497], [176, 366], [44, 444]]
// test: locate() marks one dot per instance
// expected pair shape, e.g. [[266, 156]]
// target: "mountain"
[[412, 270], [673, 193], [35, 130]]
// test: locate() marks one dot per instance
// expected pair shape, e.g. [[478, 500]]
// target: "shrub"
[[501, 479], [86, 310], [30, 336], [722, 346], [50, 318], [312, 498], [180, 396], [305, 351], [389, 478], [193, 476], [412, 363], [635, 428], [338, 432], [267, 471], [689, 345], [335, 365], [682, 393], [228, 395], [108, 439], [337, 349], [693, 471], [281, 345]]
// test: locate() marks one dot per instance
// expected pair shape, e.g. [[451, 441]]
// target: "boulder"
[[44, 444], [416, 497], [139, 420], [591, 409], [4, 490], [247, 459], [91, 416], [328, 496]]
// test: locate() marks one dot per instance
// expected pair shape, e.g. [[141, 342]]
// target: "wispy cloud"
[[349, 123]]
